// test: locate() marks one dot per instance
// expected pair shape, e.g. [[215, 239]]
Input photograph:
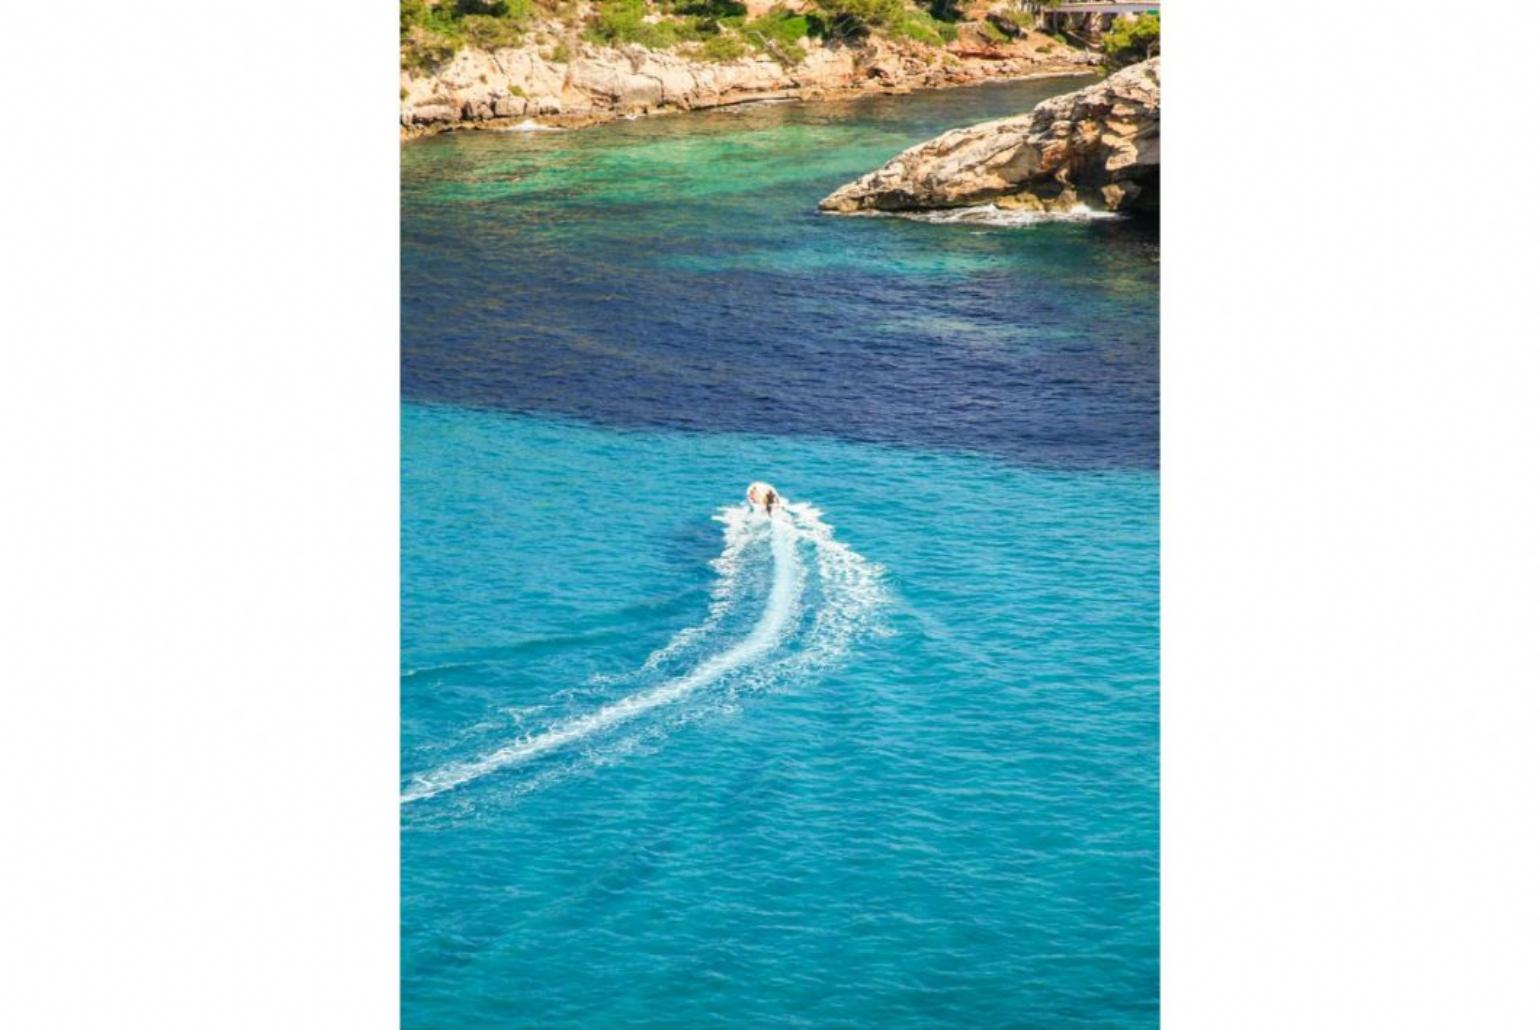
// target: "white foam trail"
[[738, 523], [997, 217], [786, 587], [738, 530], [851, 592]]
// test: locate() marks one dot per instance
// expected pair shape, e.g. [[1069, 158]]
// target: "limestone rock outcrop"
[[1099, 146], [485, 88]]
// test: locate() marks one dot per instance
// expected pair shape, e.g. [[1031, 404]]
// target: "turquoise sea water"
[[889, 760]]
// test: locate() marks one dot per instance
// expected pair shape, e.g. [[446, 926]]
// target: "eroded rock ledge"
[[1098, 146], [496, 88]]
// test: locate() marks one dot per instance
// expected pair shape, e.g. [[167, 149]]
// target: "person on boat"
[[763, 496]]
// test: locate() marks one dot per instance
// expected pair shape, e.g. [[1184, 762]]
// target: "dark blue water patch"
[[674, 273]]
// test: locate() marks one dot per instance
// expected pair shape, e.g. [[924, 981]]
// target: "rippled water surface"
[[676, 272], [889, 759]]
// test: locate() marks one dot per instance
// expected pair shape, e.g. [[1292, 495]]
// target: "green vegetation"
[[779, 26], [690, 21], [622, 21], [712, 11], [723, 47], [849, 19], [719, 27], [779, 33], [717, 30], [484, 30], [945, 10], [431, 33], [425, 49], [1026, 21], [1129, 42], [992, 32], [923, 27]]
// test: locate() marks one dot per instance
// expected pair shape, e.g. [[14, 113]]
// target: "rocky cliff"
[[1098, 146], [480, 88]]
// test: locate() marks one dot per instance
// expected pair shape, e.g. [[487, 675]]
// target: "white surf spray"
[[528, 125], [832, 626], [990, 216]]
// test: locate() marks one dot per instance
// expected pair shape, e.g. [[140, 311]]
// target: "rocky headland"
[[1098, 146], [558, 78]]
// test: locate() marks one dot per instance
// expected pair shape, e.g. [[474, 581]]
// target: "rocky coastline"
[[1097, 148], [504, 87]]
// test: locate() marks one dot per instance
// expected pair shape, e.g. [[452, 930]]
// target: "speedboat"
[[763, 497]]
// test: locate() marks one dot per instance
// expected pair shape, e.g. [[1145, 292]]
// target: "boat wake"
[[818, 596]]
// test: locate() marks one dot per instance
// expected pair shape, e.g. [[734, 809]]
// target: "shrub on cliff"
[[431, 33], [993, 33], [778, 25], [622, 21], [722, 47], [1131, 41], [626, 21], [846, 19], [484, 30], [708, 10], [945, 10], [424, 49], [779, 33], [923, 27]]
